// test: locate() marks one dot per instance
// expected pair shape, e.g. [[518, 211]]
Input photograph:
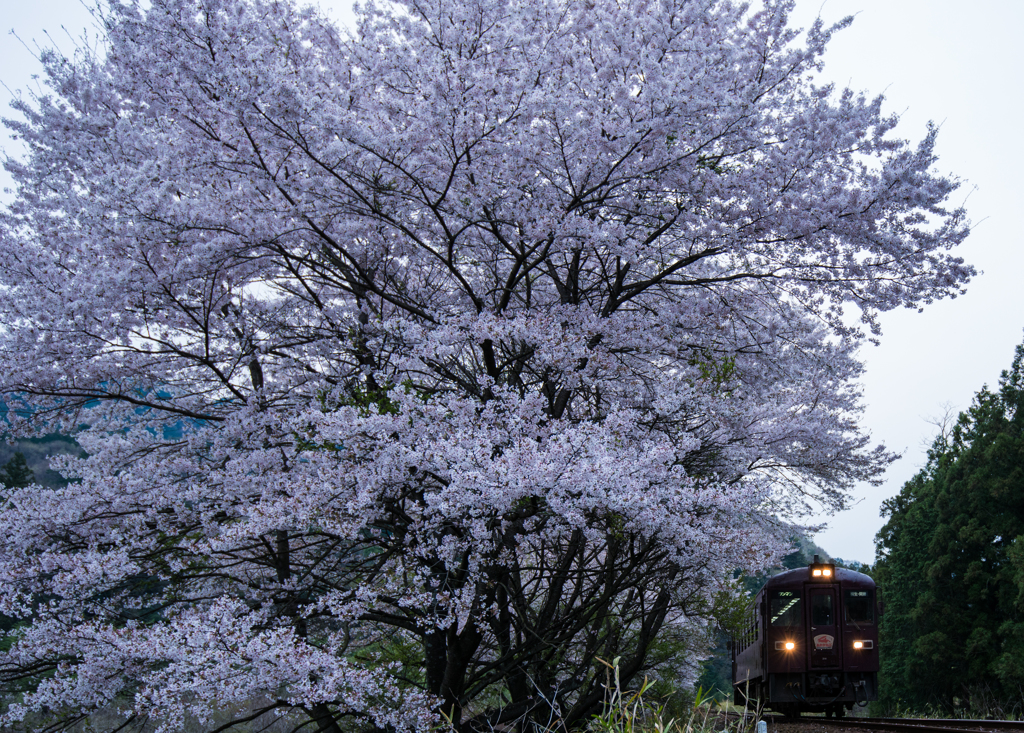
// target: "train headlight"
[[858, 645], [864, 644], [822, 571], [787, 646]]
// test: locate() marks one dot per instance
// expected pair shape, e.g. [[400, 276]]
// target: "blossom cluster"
[[418, 367]]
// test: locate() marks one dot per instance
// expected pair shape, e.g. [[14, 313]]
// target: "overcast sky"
[[959, 65]]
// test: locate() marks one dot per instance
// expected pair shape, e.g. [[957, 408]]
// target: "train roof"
[[796, 579]]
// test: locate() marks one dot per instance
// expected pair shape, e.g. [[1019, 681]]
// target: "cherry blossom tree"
[[421, 367]]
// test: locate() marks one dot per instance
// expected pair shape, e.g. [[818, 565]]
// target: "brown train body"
[[811, 643]]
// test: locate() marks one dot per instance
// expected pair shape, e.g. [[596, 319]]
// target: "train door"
[[824, 645]]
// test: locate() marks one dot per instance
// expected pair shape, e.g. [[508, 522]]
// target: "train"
[[811, 643]]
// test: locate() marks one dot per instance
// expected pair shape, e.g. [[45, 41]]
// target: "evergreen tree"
[[16, 472], [951, 563]]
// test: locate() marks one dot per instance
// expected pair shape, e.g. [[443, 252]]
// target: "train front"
[[820, 640]]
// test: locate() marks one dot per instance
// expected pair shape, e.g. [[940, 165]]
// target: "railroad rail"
[[914, 725]]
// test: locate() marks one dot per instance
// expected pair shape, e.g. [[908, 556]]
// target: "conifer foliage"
[[951, 564], [424, 365], [16, 473]]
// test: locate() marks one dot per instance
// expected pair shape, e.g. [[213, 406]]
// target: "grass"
[[632, 711]]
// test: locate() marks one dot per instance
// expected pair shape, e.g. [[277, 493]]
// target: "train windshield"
[[785, 610], [821, 609], [859, 607]]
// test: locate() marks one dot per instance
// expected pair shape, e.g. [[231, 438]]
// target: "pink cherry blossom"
[[419, 367]]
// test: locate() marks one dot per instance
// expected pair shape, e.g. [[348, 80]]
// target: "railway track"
[[912, 725]]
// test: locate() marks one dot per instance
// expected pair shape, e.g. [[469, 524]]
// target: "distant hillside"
[[36, 452]]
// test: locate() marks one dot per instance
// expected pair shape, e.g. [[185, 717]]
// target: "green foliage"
[[951, 565], [716, 672], [373, 399], [673, 656], [16, 474], [627, 711], [731, 609], [718, 370]]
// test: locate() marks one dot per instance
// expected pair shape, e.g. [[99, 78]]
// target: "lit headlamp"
[[823, 572]]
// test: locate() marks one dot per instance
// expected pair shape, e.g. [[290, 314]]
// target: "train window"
[[859, 607], [785, 609], [821, 609]]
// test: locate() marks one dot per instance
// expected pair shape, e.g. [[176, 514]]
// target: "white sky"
[[955, 63]]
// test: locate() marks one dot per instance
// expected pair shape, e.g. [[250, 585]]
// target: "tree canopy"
[[422, 366], [16, 472], [951, 563]]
